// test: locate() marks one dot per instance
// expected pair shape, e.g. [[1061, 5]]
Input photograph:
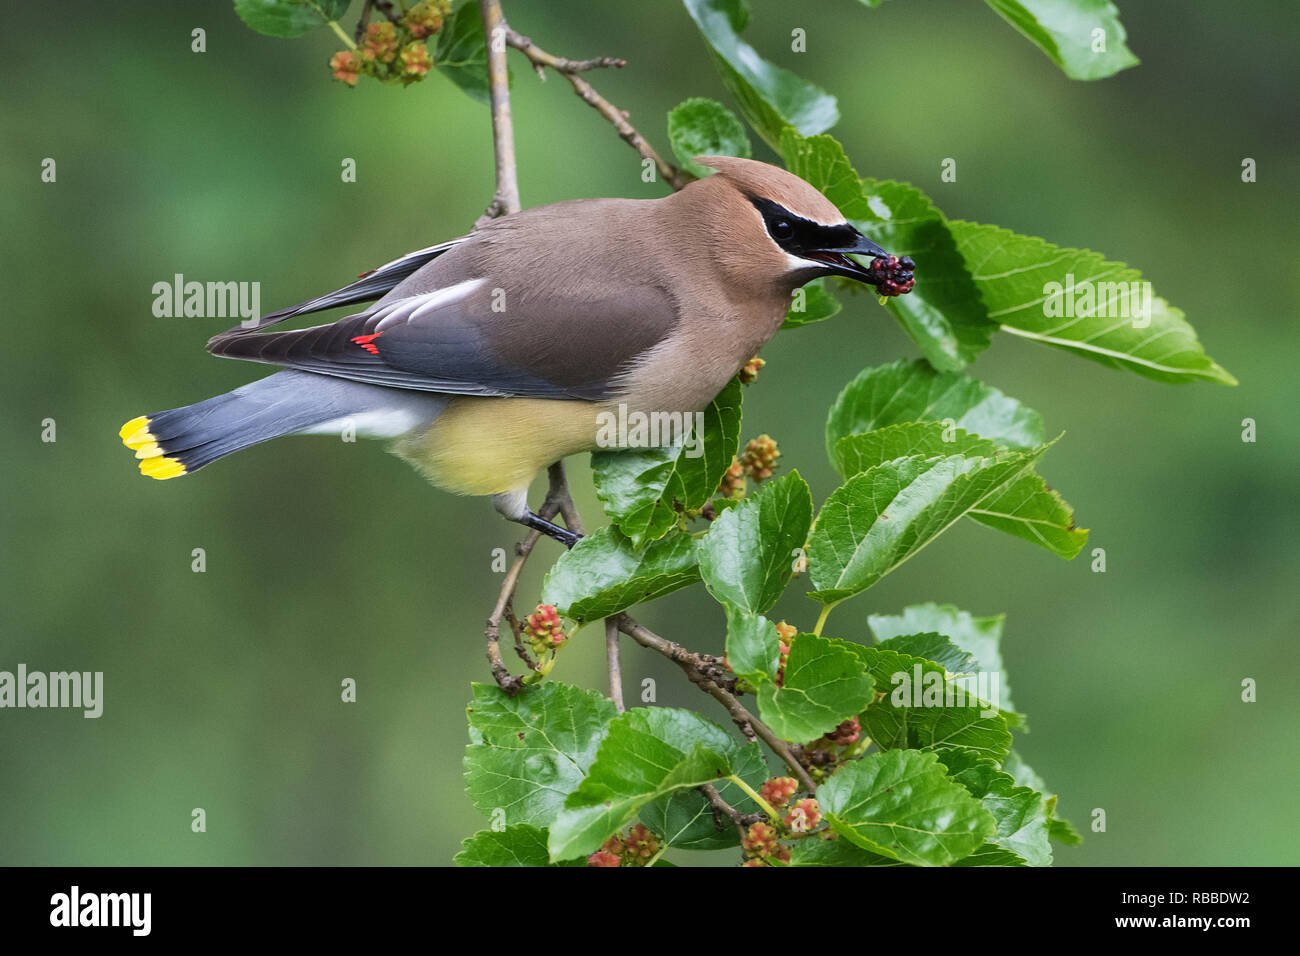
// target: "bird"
[[491, 356]]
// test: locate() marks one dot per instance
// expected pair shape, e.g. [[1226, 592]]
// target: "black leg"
[[563, 535]]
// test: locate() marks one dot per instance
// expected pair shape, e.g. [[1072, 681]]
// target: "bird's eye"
[[782, 229]]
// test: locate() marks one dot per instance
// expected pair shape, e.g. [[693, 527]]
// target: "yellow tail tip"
[[161, 468], [136, 433]]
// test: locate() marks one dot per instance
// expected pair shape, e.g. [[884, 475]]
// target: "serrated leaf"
[[685, 820], [644, 490], [1058, 828], [824, 684], [902, 805], [1067, 31], [925, 708], [837, 852], [822, 162], [978, 727], [530, 751], [1027, 509], [704, 127], [933, 647], [1090, 311], [462, 52], [1021, 812], [288, 18], [907, 391], [877, 520], [980, 637], [747, 557], [770, 97], [753, 646], [604, 574], [942, 314], [1030, 510], [520, 845], [854, 454], [646, 754], [815, 304]]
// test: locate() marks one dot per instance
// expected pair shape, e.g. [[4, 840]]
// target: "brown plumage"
[[491, 356]]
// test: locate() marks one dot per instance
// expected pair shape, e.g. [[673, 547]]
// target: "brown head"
[[767, 227]]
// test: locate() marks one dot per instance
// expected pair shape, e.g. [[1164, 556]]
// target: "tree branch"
[[557, 499], [721, 808], [704, 672], [611, 658], [506, 198], [570, 69]]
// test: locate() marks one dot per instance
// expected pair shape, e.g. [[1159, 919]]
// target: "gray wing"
[[533, 334]]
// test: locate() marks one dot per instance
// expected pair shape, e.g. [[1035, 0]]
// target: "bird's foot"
[[563, 535]]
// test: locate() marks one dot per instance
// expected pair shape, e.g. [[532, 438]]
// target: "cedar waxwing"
[[491, 356]]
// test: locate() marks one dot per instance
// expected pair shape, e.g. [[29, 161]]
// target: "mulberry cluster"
[[544, 629], [892, 276], [394, 52], [785, 635], [760, 457], [846, 733], [732, 484], [762, 843], [749, 373], [778, 791], [635, 848], [805, 815]]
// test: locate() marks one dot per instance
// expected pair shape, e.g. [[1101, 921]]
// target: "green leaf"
[[462, 52], [647, 754], [1066, 31], [820, 852], [770, 97], [644, 490], [1098, 309], [942, 313], [854, 454], [604, 574], [685, 820], [822, 162], [520, 845], [1030, 510], [1021, 812], [1027, 509], [1059, 829], [980, 637], [288, 18], [530, 751], [906, 391], [704, 127], [977, 727], [748, 555], [813, 302], [877, 520], [933, 647], [901, 804], [825, 684], [753, 646]]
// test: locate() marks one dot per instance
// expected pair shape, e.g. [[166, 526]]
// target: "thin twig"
[[558, 493], [611, 658], [570, 70], [704, 676], [506, 198], [721, 808]]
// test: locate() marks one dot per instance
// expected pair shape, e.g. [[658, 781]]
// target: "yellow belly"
[[488, 446]]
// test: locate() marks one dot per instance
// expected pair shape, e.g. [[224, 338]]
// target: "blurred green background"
[[328, 560]]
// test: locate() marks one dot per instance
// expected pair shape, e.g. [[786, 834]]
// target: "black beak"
[[838, 263]]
